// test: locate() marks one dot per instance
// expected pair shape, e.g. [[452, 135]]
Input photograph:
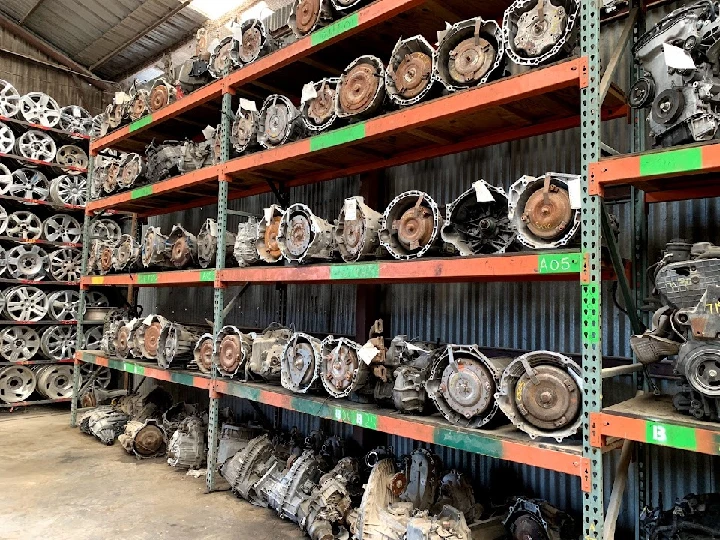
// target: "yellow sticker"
[[519, 391], [97, 280]]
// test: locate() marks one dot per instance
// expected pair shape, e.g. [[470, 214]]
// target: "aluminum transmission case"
[[279, 122], [361, 92], [305, 237], [477, 222], [233, 350], [410, 73], [187, 448], [470, 53], [266, 243], [356, 233], [463, 382], [183, 247], [537, 32], [267, 352], [318, 104], [245, 249], [541, 393], [411, 225], [543, 212], [207, 244], [683, 92], [301, 363]]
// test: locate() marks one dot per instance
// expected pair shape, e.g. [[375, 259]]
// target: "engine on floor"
[[679, 57], [687, 325], [694, 517]]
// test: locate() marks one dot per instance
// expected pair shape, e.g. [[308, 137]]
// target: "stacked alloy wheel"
[[40, 246]]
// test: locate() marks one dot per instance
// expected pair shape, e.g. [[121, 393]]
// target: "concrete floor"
[[58, 483]]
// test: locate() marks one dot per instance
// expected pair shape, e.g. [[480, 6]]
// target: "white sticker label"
[[412, 347], [367, 352], [482, 192], [268, 212], [236, 30], [308, 92], [248, 105], [214, 43], [350, 209], [677, 58], [209, 132], [575, 193]]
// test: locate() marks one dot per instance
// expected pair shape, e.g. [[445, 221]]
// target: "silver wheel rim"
[[19, 343], [27, 262], [26, 304], [16, 384], [39, 108], [63, 305], [24, 224], [58, 342], [28, 184], [103, 375], [71, 156], [93, 339], [96, 299], [105, 230], [5, 179], [34, 144], [55, 382], [65, 264], [3, 220], [9, 99], [75, 119], [62, 228], [69, 189], [7, 139]]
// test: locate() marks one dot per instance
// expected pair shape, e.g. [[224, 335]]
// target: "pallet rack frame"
[[586, 263]]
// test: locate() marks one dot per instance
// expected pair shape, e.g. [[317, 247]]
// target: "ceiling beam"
[[30, 11], [47, 49], [181, 5]]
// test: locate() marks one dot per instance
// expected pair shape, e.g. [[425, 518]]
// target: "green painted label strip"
[[669, 435], [141, 123], [344, 135], [468, 442], [116, 364], [243, 391], [207, 275], [88, 358], [716, 441], [310, 407], [133, 368], [567, 263], [334, 29], [182, 378], [356, 418], [671, 161], [355, 271], [590, 314], [147, 279], [141, 192]]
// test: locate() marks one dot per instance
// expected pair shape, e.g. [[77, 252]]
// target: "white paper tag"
[[441, 33], [482, 192], [308, 92], [209, 132], [368, 352], [350, 209], [236, 30], [677, 58], [248, 105], [121, 97], [575, 193], [412, 347], [267, 213], [214, 43]]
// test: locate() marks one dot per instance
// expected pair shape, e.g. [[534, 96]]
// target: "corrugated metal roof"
[[88, 30]]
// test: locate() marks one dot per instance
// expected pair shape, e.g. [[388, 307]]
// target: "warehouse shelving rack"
[[552, 98]]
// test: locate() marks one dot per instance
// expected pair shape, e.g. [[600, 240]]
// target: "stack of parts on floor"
[[330, 495]]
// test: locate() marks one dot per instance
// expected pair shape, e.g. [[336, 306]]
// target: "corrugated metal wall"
[[512, 315], [27, 76]]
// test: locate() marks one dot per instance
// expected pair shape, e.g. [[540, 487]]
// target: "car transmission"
[[541, 393], [305, 237], [413, 360], [540, 31], [356, 233], [187, 448], [679, 58], [301, 363], [463, 382], [687, 286], [538, 519], [411, 225], [267, 352], [543, 211], [477, 221]]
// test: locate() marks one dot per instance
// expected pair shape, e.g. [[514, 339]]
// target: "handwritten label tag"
[[308, 92], [575, 193], [350, 209], [248, 105]]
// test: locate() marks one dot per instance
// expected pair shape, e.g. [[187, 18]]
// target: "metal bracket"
[[637, 326], [281, 196]]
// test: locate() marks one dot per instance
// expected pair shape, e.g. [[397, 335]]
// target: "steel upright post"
[[593, 513], [81, 303], [219, 293]]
